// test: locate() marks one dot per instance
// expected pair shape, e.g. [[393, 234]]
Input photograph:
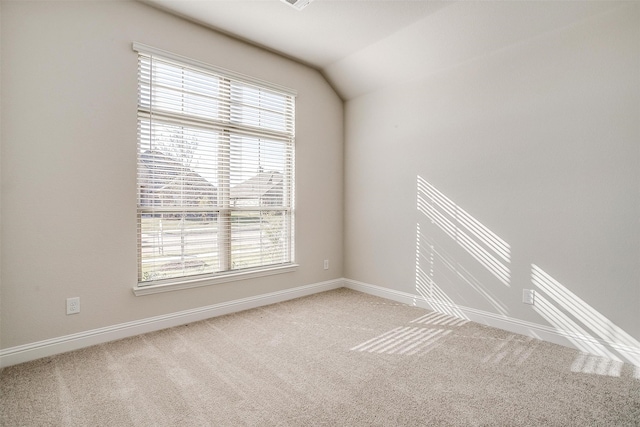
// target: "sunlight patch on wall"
[[425, 284], [571, 329], [585, 327], [434, 259], [480, 242]]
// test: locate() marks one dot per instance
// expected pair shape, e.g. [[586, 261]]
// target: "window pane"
[[260, 170], [215, 171], [177, 166], [258, 238], [256, 107], [179, 90], [177, 245]]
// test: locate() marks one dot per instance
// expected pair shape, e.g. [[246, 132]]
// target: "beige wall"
[[540, 143], [68, 164]]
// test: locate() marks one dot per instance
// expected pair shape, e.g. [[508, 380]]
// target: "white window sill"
[[223, 278]]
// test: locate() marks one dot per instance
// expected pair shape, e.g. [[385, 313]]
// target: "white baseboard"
[[50, 347], [546, 333]]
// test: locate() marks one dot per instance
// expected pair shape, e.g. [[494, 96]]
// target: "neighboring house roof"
[[169, 180], [163, 177], [263, 184], [159, 170]]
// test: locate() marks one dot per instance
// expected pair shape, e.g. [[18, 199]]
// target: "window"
[[215, 165]]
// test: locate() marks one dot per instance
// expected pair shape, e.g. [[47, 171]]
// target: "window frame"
[[144, 287]]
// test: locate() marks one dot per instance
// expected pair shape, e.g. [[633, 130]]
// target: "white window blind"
[[215, 171]]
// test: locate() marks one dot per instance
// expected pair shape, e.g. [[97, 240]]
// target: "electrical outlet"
[[326, 264], [528, 296], [73, 305]]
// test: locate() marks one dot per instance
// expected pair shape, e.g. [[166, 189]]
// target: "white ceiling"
[[322, 33], [363, 45]]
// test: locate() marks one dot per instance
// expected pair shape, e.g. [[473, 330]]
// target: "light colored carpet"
[[339, 358]]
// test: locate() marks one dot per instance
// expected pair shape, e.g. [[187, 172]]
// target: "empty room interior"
[[319, 212]]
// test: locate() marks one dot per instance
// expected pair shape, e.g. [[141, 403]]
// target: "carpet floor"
[[338, 358]]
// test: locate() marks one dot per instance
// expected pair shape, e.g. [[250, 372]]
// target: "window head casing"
[[215, 179]]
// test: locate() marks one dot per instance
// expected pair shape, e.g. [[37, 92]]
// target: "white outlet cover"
[[528, 296], [73, 305]]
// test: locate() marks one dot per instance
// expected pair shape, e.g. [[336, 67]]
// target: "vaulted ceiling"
[[365, 45]]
